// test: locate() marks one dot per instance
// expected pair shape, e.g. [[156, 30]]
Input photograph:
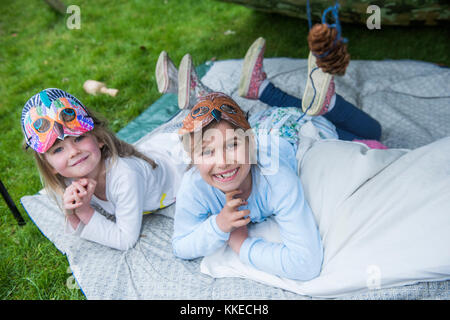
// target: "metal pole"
[[11, 204]]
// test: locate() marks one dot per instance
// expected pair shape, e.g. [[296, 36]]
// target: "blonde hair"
[[113, 148]]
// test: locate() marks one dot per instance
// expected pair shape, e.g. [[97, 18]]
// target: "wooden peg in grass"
[[94, 87]]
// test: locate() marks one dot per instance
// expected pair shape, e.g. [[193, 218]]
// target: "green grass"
[[119, 43]]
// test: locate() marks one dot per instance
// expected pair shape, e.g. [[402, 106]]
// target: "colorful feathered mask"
[[53, 114], [215, 105]]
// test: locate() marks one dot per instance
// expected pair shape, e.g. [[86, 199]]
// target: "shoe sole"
[[162, 76], [321, 83], [184, 81], [249, 62]]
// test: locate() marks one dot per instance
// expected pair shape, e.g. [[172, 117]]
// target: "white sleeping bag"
[[383, 215]]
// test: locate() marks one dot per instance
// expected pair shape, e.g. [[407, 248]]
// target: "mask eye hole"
[[197, 112], [227, 109], [41, 125], [67, 115]]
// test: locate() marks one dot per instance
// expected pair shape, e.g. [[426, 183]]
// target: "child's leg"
[[346, 117], [166, 74], [253, 83], [252, 74], [276, 97], [318, 100], [190, 87], [351, 123], [185, 81], [345, 135]]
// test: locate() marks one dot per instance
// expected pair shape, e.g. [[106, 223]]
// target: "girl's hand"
[[237, 237], [230, 217], [71, 197], [77, 197]]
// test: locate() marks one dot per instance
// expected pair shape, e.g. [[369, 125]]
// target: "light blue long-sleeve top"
[[277, 191]]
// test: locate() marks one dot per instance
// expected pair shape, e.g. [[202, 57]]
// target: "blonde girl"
[[103, 184]]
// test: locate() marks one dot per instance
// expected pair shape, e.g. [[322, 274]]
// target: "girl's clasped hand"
[[77, 196]]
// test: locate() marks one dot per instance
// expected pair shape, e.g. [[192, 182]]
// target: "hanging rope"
[[334, 10], [308, 12]]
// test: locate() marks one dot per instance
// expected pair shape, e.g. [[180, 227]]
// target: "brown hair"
[[113, 148]]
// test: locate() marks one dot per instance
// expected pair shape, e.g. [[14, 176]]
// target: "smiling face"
[[76, 157], [223, 158]]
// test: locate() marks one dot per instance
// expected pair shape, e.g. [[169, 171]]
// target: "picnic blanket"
[[410, 99]]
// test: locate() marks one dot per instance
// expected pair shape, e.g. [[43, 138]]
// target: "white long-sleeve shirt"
[[133, 187]]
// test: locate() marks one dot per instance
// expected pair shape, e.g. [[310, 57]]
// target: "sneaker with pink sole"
[[319, 90], [190, 86], [253, 74], [166, 74]]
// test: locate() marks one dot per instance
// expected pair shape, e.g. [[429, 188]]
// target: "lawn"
[[119, 43]]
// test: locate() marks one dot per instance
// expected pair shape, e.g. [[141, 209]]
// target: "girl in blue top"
[[231, 185]]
